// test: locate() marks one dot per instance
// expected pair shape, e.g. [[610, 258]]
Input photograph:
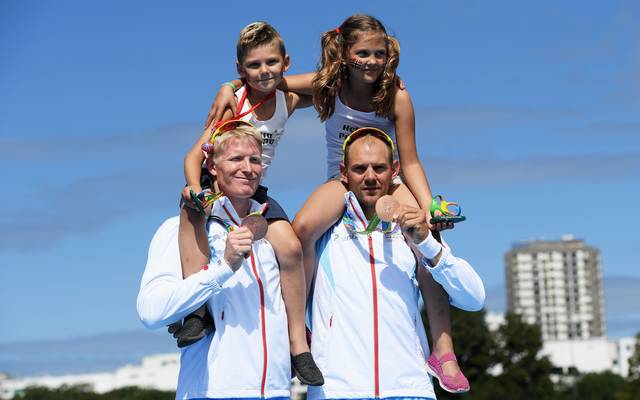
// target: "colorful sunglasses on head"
[[367, 130], [221, 127]]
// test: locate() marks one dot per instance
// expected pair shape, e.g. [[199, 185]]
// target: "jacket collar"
[[355, 220], [223, 210]]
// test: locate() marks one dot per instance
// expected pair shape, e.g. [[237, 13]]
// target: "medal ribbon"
[[258, 104]]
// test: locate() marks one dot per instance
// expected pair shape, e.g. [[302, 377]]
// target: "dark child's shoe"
[[306, 369], [194, 328]]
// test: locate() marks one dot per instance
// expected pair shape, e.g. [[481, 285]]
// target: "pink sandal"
[[452, 384]]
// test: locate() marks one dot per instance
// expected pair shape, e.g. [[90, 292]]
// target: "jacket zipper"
[[263, 319], [264, 327], [374, 290]]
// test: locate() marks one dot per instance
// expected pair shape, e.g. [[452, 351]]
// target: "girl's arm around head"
[[296, 101], [410, 165], [300, 83]]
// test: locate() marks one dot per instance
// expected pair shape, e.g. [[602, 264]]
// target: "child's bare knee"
[[292, 249], [301, 227], [306, 229]]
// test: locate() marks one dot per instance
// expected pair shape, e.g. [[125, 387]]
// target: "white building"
[[156, 372], [621, 350], [558, 285], [581, 355], [584, 356]]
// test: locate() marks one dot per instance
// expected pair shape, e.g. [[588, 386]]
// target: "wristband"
[[231, 85], [429, 247]]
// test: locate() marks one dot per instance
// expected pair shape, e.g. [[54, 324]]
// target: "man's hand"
[[186, 196], [225, 99], [238, 247], [442, 225], [413, 222], [189, 203]]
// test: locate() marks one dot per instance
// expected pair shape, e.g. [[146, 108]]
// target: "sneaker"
[[194, 328], [306, 369], [452, 384]]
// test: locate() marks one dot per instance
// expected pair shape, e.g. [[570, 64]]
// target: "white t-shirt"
[[271, 129], [340, 125]]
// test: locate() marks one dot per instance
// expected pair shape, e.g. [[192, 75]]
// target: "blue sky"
[[527, 114]]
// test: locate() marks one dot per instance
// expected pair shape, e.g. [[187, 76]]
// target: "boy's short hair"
[[242, 132], [258, 34]]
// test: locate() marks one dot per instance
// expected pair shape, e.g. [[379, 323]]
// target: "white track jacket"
[[248, 354], [368, 337]]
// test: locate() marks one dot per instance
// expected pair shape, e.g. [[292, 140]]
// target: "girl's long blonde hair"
[[332, 70]]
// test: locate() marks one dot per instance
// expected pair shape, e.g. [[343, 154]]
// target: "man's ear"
[[343, 173], [395, 169], [287, 63], [210, 165], [240, 70]]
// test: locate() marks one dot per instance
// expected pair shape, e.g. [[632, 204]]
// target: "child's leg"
[[435, 298], [289, 254], [436, 302], [321, 210], [194, 250], [194, 253]]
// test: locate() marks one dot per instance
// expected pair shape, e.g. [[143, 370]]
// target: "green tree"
[[634, 360], [84, 392], [525, 374], [136, 393], [597, 386], [631, 391], [65, 392]]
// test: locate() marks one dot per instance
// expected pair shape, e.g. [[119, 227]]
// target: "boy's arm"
[[194, 159], [164, 296], [193, 164], [224, 101]]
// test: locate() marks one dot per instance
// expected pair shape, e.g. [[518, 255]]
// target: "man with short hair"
[[248, 355], [368, 336]]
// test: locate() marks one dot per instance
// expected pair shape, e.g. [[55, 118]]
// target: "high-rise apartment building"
[[558, 285]]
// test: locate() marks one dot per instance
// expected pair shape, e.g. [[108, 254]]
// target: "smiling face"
[[238, 167], [368, 173], [263, 67], [367, 57]]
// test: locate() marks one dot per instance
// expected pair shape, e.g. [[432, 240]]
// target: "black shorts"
[[274, 211]]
